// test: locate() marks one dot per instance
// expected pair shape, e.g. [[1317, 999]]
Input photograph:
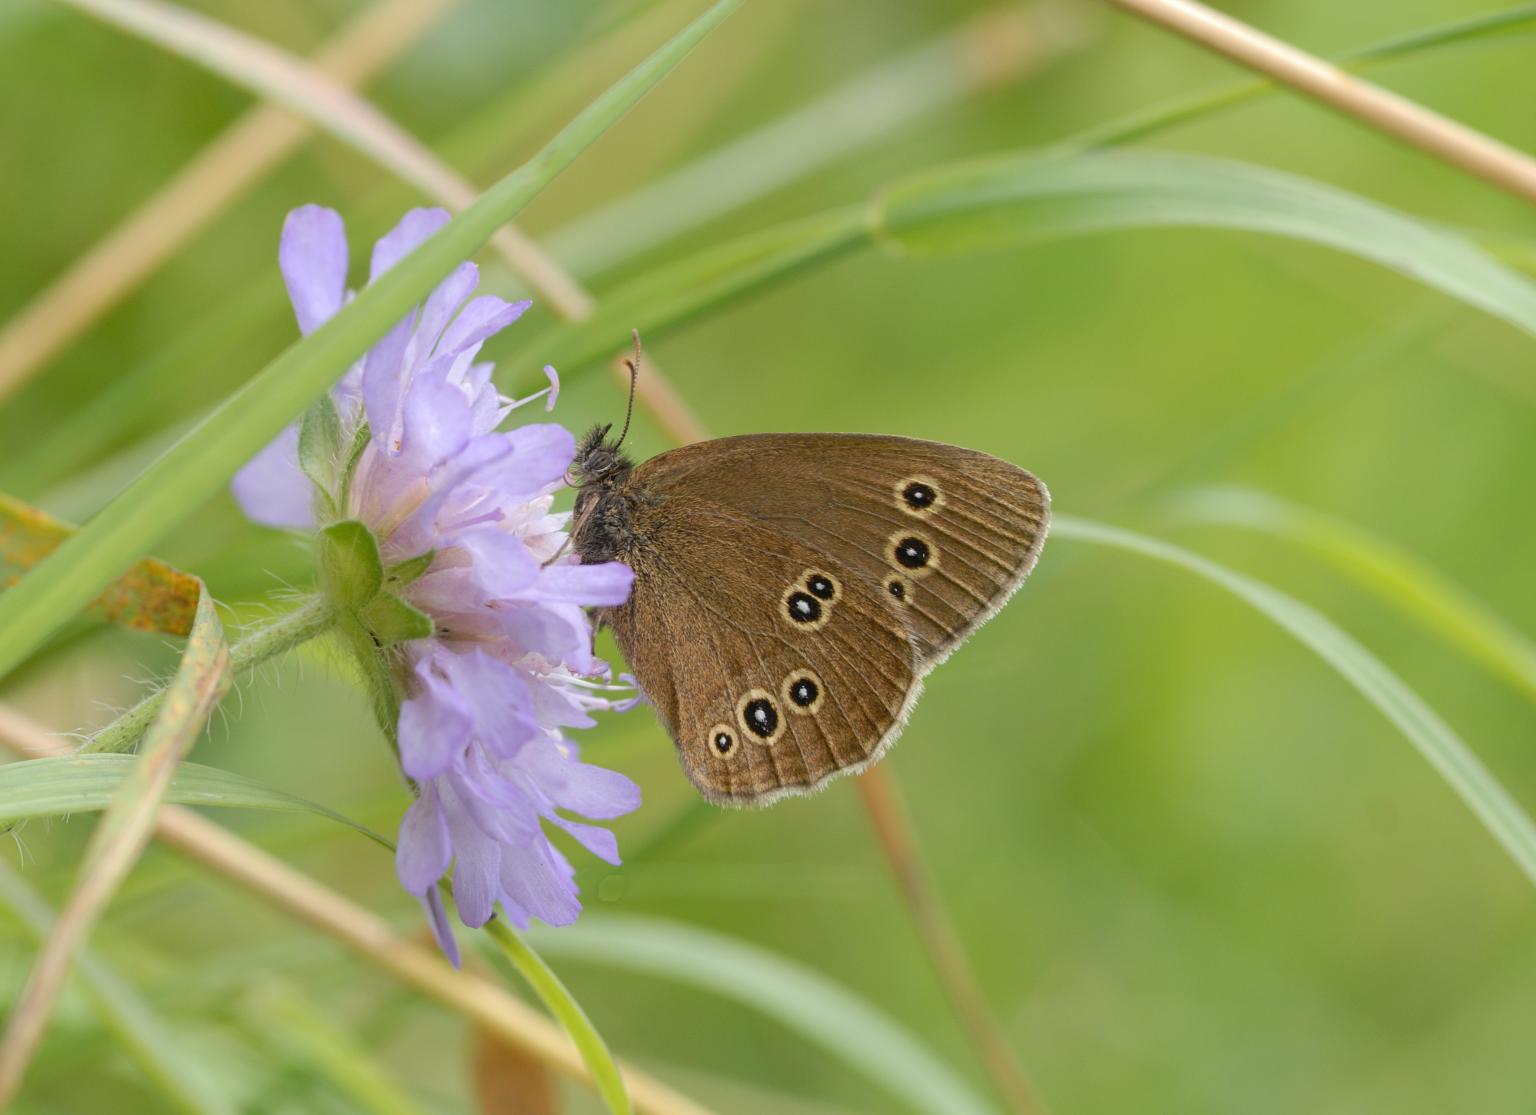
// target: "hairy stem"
[[312, 618]]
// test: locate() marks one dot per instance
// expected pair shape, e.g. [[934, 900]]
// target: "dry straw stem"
[[118, 839], [893, 826], [215, 178], [1495, 162], [267, 877]]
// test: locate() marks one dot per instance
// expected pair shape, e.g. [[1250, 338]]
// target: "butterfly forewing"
[[792, 589]]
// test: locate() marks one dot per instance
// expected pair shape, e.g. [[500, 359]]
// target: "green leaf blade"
[[66, 784], [1433, 738], [1023, 199]]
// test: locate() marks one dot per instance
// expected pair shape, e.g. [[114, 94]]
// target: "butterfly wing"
[[792, 589]]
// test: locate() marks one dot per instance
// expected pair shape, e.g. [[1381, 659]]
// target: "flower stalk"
[[312, 618]]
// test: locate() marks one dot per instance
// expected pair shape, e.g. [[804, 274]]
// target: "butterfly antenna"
[[633, 364]]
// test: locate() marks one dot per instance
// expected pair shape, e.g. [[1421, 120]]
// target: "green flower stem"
[[312, 618], [594, 1051]]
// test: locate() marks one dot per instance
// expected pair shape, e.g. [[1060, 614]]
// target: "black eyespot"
[[761, 717], [803, 692], [821, 586], [723, 742], [919, 495], [802, 607], [912, 552], [896, 588]]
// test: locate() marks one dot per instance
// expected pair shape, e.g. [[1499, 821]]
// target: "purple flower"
[[509, 667]]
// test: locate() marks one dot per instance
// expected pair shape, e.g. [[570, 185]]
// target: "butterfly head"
[[598, 459]]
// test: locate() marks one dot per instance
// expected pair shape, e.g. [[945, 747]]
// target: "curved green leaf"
[[1392, 574], [1455, 762], [1024, 199], [65, 784], [798, 997]]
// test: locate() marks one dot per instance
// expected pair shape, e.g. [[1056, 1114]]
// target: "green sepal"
[[360, 438], [351, 571], [392, 620], [404, 572], [320, 442]]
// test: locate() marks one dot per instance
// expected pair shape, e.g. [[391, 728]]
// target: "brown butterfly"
[[792, 590]]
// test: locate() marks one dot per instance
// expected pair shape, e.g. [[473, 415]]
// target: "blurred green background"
[[1194, 870]]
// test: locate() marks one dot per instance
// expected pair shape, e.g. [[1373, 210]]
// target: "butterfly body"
[[792, 590]]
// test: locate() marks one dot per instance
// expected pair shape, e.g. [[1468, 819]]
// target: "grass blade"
[[1387, 571], [563, 1005], [171, 489], [68, 784], [187, 1085], [120, 837], [1023, 199], [1445, 751], [801, 999]]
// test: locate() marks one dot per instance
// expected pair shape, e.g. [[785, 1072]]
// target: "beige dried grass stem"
[[1445, 139], [893, 827], [118, 840], [215, 178], [363, 931]]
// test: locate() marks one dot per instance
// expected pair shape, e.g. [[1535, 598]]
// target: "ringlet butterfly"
[[792, 590]]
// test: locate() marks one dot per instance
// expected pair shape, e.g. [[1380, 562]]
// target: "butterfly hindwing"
[[771, 672]]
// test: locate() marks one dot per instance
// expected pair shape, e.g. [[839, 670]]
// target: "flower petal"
[[442, 929], [484, 317], [435, 723], [414, 229], [424, 850], [495, 697], [540, 454], [536, 880], [592, 791], [272, 490], [312, 256], [435, 420], [476, 869], [599, 841], [441, 305], [502, 565], [605, 584], [384, 381]]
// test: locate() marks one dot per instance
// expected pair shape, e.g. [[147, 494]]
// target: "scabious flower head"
[[462, 511]]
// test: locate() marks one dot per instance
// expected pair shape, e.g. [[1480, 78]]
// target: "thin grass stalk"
[[365, 933], [1497, 163], [893, 826], [118, 840], [222, 172]]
